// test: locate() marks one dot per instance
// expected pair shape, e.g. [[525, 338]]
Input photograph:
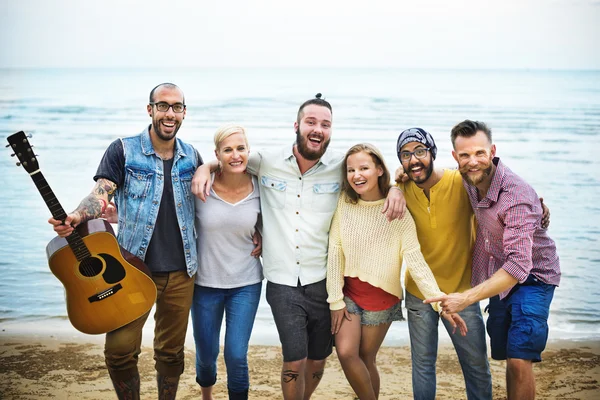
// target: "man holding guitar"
[[149, 176]]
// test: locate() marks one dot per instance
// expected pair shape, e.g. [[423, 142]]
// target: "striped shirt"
[[509, 232]]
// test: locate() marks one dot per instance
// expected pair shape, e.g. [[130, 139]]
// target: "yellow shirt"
[[364, 245], [446, 231]]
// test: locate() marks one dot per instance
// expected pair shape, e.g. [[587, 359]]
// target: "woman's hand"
[[337, 318], [456, 321]]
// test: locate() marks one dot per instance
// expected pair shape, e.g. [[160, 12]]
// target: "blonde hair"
[[227, 130], [383, 181]]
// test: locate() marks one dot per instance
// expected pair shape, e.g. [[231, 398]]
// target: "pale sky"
[[546, 34]]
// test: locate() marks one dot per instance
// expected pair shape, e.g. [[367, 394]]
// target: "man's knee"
[[317, 364], [293, 370], [518, 366]]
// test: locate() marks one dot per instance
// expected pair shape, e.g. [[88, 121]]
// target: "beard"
[[474, 181], [425, 176], [162, 135], [307, 153]]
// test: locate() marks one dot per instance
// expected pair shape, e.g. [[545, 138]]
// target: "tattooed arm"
[[90, 207]]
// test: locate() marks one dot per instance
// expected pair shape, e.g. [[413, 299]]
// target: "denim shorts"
[[518, 324], [394, 313], [303, 320]]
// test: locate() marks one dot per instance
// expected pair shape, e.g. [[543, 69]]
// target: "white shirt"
[[297, 211]]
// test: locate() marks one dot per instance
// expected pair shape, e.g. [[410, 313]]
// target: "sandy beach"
[[71, 366]]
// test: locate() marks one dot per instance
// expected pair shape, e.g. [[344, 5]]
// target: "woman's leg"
[[240, 310], [371, 338], [207, 316], [347, 344]]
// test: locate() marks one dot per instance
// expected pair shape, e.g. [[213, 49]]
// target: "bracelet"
[[396, 187]]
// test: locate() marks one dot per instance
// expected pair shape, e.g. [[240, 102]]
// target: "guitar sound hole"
[[89, 267]]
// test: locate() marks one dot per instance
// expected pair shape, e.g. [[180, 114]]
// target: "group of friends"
[[333, 233]]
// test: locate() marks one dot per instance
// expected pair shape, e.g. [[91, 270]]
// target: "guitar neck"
[[74, 239]]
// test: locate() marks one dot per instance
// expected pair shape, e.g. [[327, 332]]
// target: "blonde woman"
[[363, 269], [229, 277]]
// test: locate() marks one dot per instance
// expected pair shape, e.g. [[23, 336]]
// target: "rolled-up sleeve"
[[520, 222], [254, 160]]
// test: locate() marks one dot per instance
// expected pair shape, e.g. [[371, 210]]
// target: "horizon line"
[[547, 69]]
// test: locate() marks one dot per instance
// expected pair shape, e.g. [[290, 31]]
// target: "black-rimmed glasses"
[[163, 106], [419, 153]]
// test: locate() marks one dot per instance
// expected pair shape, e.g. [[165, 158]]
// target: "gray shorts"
[[394, 313], [303, 320]]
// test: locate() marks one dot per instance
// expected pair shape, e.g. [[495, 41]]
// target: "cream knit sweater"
[[364, 245]]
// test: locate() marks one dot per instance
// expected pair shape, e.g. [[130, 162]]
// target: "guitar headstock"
[[23, 150]]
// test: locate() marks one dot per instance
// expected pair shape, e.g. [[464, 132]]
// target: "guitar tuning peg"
[[12, 155], [29, 135], [8, 145], [18, 164]]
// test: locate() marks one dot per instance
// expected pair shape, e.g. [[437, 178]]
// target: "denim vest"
[[138, 200]]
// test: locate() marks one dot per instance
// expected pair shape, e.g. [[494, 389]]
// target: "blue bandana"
[[416, 135]]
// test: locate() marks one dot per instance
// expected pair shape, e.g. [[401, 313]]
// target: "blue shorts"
[[518, 324], [374, 318]]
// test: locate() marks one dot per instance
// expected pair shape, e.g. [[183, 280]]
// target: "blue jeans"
[[471, 350], [240, 305]]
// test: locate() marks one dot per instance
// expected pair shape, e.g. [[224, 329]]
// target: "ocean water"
[[546, 127]]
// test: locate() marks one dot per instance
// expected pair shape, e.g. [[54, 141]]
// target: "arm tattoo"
[[104, 186], [290, 375], [318, 375], [90, 207]]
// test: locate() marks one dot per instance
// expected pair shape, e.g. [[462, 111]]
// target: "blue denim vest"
[[139, 197]]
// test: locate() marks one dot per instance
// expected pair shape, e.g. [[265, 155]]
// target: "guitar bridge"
[[106, 293]]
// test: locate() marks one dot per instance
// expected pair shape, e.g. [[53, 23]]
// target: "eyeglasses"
[[163, 106], [419, 153]]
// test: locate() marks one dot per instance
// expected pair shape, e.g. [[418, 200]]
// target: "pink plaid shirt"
[[509, 232]]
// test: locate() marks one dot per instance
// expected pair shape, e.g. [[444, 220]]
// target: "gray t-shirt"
[[225, 241]]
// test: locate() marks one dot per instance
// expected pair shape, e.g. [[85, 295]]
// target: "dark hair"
[[166, 85], [383, 181], [316, 101], [469, 128]]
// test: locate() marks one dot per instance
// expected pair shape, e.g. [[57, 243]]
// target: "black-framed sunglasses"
[[163, 106], [419, 153]]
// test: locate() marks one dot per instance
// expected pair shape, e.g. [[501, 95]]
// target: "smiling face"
[[313, 133], [165, 124], [418, 170], [474, 156], [363, 175], [233, 153]]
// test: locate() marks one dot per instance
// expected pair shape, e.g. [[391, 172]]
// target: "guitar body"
[[106, 290]]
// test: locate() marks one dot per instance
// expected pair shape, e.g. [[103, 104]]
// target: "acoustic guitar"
[[106, 287]]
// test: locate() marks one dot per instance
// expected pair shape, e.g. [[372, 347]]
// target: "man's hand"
[[450, 303], [257, 240], [545, 214], [456, 321], [66, 228], [395, 204], [400, 176], [110, 213], [201, 182], [337, 318]]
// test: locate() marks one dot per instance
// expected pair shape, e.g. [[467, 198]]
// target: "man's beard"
[[477, 180], [163, 136], [305, 151], [424, 177]]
